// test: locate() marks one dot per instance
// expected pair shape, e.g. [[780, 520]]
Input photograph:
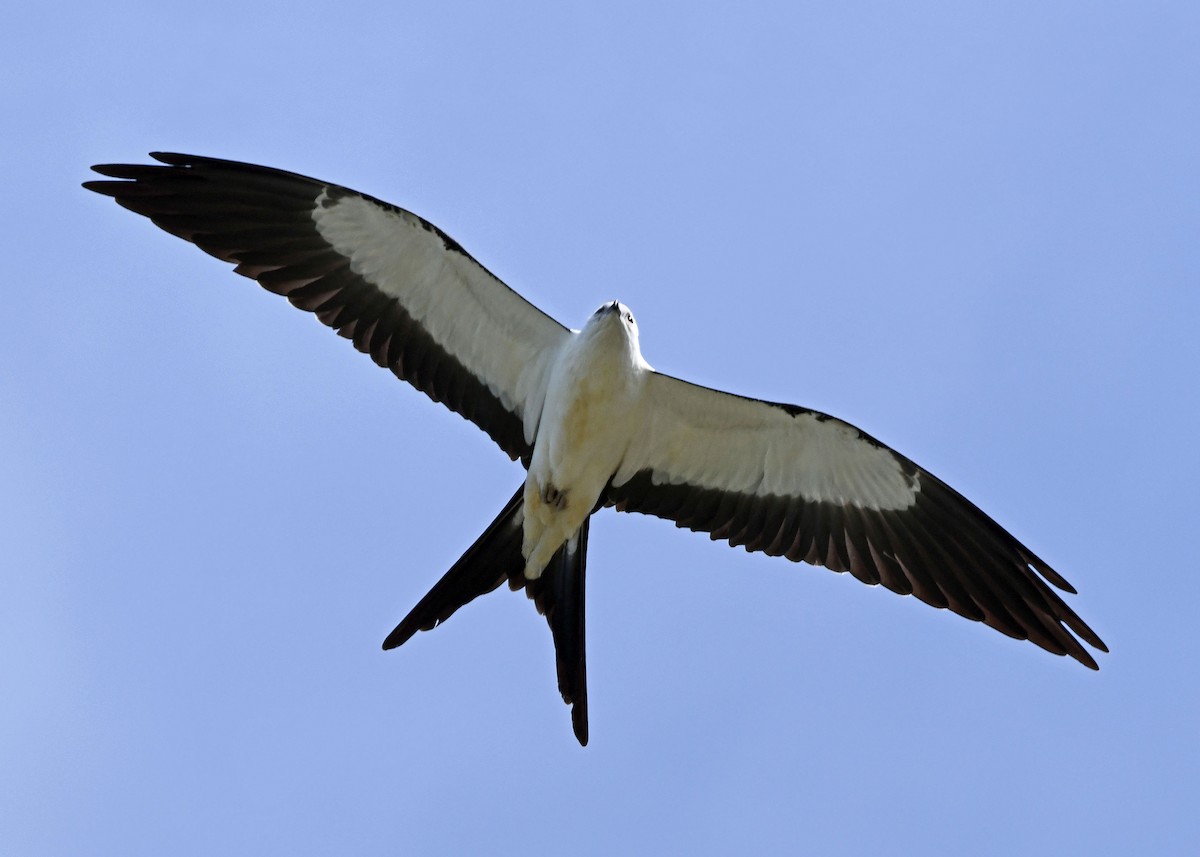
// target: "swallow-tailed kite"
[[593, 424]]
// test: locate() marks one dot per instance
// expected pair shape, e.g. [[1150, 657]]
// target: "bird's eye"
[[629, 317]]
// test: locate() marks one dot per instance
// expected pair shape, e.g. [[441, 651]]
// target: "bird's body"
[[592, 422], [588, 421]]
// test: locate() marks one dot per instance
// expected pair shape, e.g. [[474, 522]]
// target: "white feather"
[[696, 436], [491, 330]]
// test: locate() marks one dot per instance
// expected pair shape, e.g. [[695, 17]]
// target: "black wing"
[[797, 483], [395, 285]]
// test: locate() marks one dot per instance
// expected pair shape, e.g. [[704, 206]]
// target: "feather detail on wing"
[[397, 286], [797, 483]]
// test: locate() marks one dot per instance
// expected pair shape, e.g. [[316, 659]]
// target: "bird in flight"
[[593, 424]]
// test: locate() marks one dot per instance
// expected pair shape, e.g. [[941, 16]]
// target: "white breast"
[[588, 421]]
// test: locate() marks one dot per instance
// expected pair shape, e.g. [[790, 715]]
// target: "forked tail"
[[558, 594]]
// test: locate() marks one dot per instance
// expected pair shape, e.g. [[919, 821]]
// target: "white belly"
[[587, 423]]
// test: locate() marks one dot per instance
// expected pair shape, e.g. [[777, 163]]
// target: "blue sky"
[[971, 229]]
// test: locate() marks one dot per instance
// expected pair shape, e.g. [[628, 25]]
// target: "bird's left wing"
[[397, 286], [794, 482]]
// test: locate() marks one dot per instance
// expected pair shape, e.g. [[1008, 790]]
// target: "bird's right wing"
[[794, 482], [397, 286]]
